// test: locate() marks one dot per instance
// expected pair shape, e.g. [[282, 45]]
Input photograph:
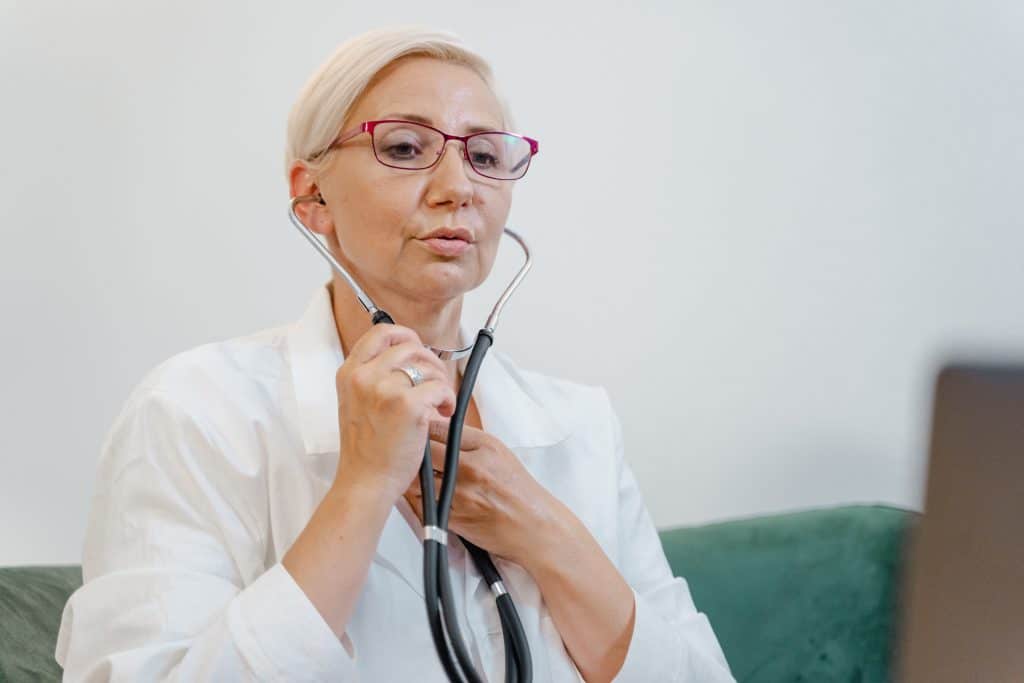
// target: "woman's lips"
[[447, 247]]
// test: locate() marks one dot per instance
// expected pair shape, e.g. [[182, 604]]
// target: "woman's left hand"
[[498, 505]]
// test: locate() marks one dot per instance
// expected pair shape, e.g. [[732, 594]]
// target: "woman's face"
[[378, 215]]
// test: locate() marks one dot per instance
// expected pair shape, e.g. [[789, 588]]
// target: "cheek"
[[486, 256], [371, 218], [496, 207]]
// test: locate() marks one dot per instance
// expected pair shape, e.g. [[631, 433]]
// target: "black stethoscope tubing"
[[439, 599]]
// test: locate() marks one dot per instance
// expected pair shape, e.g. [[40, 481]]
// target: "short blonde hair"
[[324, 103]]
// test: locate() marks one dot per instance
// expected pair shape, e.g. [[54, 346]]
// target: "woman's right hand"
[[383, 419]]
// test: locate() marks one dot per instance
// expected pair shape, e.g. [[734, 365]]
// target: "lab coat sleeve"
[[671, 642], [175, 586]]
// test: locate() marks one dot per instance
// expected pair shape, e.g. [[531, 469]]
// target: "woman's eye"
[[484, 160], [402, 150]]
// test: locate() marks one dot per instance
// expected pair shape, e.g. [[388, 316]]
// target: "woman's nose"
[[452, 169]]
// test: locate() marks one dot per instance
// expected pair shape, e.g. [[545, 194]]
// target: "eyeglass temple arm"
[[342, 137]]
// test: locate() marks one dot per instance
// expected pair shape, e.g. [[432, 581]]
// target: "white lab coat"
[[219, 458]]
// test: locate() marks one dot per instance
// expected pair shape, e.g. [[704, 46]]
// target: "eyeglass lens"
[[411, 146]]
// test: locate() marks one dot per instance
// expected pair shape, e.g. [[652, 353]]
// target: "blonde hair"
[[327, 98]]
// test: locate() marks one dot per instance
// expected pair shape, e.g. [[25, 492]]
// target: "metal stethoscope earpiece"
[[440, 603]]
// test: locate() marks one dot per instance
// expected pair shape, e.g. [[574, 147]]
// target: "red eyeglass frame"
[[368, 127]]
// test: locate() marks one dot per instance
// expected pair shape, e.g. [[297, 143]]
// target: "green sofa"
[[807, 596]]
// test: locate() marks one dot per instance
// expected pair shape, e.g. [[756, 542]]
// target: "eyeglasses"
[[416, 146]]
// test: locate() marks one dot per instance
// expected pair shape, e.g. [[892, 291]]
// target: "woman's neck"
[[438, 327]]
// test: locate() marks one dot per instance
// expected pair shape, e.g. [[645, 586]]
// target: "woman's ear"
[[314, 214]]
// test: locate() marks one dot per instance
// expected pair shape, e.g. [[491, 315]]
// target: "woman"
[[257, 512]]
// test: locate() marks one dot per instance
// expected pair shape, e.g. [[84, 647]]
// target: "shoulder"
[[200, 400], [230, 368]]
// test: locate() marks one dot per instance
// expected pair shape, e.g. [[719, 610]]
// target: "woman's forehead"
[[441, 94]]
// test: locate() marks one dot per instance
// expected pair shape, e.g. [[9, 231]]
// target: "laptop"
[[963, 584]]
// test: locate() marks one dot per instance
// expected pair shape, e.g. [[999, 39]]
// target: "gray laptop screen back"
[[963, 603]]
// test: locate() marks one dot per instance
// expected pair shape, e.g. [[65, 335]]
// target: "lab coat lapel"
[[510, 408], [513, 411], [314, 355]]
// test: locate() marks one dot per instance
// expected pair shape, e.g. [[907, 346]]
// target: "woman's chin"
[[442, 284]]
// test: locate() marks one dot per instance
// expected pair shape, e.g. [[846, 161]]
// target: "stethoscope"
[[440, 602]]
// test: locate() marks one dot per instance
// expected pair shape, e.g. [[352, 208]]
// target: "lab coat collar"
[[315, 354]]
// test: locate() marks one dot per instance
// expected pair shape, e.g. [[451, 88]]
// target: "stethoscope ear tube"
[[444, 354]]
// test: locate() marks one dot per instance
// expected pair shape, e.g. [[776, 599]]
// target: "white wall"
[[760, 225]]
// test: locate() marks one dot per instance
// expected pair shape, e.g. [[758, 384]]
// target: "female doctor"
[[257, 514]]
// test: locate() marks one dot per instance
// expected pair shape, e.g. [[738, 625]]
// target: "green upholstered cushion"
[[807, 596], [31, 602]]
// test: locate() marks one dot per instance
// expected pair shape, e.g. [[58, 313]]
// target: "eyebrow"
[[423, 119]]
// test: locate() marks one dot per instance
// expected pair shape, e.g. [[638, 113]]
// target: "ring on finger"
[[413, 373]]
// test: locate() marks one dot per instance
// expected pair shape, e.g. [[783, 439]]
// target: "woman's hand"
[[498, 505], [383, 419], [384, 422]]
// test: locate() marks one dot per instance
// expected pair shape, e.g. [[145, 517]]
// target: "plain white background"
[[761, 226]]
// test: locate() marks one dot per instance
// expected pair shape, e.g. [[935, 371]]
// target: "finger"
[[437, 460], [388, 370], [379, 338], [438, 431], [472, 438], [415, 488], [437, 455], [397, 381], [414, 496], [412, 353], [437, 489], [436, 394]]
